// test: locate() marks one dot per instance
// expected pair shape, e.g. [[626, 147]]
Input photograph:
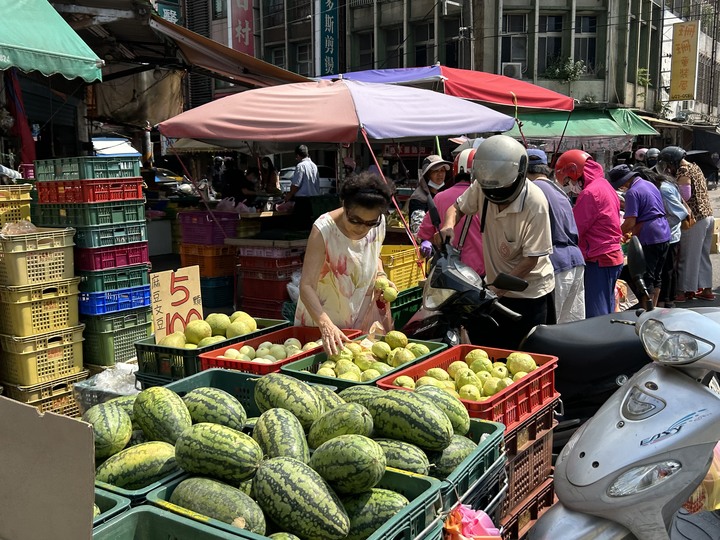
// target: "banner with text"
[[176, 300], [243, 35], [683, 69], [329, 37]]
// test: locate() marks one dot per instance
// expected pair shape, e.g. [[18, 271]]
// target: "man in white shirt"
[[305, 183]]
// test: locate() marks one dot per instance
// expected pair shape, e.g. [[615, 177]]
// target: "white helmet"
[[464, 162], [500, 166]]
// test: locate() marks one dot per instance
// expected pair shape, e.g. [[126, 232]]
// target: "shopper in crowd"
[[270, 176], [639, 156], [675, 211], [432, 180], [305, 184], [566, 257], [471, 254], [342, 261], [249, 186], [516, 237], [645, 218], [597, 215], [694, 266], [651, 157]]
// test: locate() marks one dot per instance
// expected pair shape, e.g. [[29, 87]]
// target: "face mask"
[[572, 188], [435, 186]]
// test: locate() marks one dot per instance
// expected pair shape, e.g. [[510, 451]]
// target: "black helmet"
[[670, 157], [499, 166], [651, 157]]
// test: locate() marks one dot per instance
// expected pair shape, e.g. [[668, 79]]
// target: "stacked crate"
[[263, 274], [203, 244], [40, 335], [102, 198]]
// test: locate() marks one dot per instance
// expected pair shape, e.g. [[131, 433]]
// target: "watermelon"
[[450, 405], [346, 419], [125, 403], [138, 466], [370, 510], [112, 428], [409, 417], [215, 406], [137, 437], [328, 398], [349, 463], [219, 452], [278, 390], [219, 501], [250, 422], [445, 462], [297, 498], [279, 433], [161, 414], [283, 536], [405, 456], [359, 393], [246, 487]]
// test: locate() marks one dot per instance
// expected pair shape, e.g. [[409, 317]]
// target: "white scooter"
[[627, 471]]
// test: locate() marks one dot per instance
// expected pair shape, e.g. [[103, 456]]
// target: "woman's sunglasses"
[[357, 221]]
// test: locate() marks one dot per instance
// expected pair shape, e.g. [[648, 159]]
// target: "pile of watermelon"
[[272, 481]]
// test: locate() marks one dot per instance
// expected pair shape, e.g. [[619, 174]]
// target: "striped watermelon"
[[359, 393], [219, 501], [161, 414], [328, 398], [219, 452], [279, 433], [112, 428], [297, 498], [283, 536], [250, 422], [138, 466], [409, 417], [445, 462], [450, 405], [246, 487], [281, 391], [346, 419], [125, 403], [138, 437], [215, 406], [370, 510], [405, 456], [349, 463]]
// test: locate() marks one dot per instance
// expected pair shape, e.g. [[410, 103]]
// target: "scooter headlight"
[[669, 347], [639, 479]]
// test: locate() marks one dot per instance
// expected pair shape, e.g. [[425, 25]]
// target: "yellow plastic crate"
[[37, 309], [41, 358], [14, 211], [401, 265], [53, 396], [37, 257], [20, 192]]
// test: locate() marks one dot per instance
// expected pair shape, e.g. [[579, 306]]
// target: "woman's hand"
[[333, 339]]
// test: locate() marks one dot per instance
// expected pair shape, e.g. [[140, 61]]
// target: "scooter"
[[628, 470]]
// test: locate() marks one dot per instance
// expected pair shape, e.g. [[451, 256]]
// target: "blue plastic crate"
[[100, 303]]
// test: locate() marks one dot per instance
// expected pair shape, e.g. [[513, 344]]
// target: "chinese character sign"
[[243, 38], [683, 69], [175, 299], [329, 35], [170, 12]]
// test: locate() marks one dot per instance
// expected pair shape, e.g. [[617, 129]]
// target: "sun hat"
[[621, 175], [432, 162]]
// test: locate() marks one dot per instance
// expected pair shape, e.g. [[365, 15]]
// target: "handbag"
[[689, 221]]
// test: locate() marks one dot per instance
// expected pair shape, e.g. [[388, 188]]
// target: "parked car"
[[327, 178]]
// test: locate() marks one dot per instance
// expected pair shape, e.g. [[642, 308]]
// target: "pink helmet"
[[640, 154]]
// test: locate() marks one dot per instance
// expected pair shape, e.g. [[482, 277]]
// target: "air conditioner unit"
[[512, 69]]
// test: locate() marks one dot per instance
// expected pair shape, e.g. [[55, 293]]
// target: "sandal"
[[705, 296]]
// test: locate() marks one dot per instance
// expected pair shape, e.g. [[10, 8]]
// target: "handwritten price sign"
[[175, 300]]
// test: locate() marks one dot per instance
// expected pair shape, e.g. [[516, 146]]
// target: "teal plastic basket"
[[406, 305], [89, 215], [110, 505], [86, 168], [138, 496], [110, 235]]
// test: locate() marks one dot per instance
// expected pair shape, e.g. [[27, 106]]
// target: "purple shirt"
[[644, 202], [566, 254]]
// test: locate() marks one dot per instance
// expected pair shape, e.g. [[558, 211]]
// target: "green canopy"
[[582, 124], [35, 37]]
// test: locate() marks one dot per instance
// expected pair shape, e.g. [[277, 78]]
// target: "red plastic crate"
[[509, 406], [269, 263], [257, 307], [89, 191], [272, 291], [111, 257], [303, 333], [516, 525]]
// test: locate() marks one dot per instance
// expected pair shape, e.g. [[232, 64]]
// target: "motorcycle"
[[627, 471]]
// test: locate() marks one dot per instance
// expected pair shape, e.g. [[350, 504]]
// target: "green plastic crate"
[[108, 348], [408, 524], [138, 496], [306, 369], [150, 523], [110, 236], [114, 322], [176, 363], [406, 305], [86, 168], [489, 492], [89, 215], [114, 278], [239, 384], [110, 506]]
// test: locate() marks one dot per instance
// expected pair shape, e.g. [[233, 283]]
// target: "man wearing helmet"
[[472, 248], [515, 227], [651, 157], [597, 215], [639, 156]]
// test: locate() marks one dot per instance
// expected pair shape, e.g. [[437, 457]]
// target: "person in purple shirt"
[[566, 257], [645, 218]]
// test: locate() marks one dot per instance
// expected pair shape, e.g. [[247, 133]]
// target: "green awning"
[[35, 37], [582, 124]]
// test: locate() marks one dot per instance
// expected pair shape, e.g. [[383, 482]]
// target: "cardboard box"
[[47, 474], [714, 247]]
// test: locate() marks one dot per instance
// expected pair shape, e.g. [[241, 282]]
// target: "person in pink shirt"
[[472, 253], [597, 214]]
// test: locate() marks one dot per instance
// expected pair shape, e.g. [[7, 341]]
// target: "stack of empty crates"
[[203, 244], [40, 336], [102, 198], [263, 273]]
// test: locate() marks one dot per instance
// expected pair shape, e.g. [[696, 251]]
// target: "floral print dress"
[[347, 275]]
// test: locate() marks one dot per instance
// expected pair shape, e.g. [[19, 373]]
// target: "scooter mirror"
[[506, 282], [636, 258]]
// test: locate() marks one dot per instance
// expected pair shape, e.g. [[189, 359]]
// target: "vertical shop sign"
[[176, 300], [329, 35], [683, 69], [243, 38]]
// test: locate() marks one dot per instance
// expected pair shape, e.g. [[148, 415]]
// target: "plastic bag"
[[20, 227], [285, 206], [293, 287], [707, 494], [226, 205], [242, 208], [464, 523]]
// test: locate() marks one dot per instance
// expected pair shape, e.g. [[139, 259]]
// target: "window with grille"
[[424, 43], [514, 39], [274, 13], [394, 48], [549, 41], [365, 51], [277, 57], [586, 40], [304, 59]]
